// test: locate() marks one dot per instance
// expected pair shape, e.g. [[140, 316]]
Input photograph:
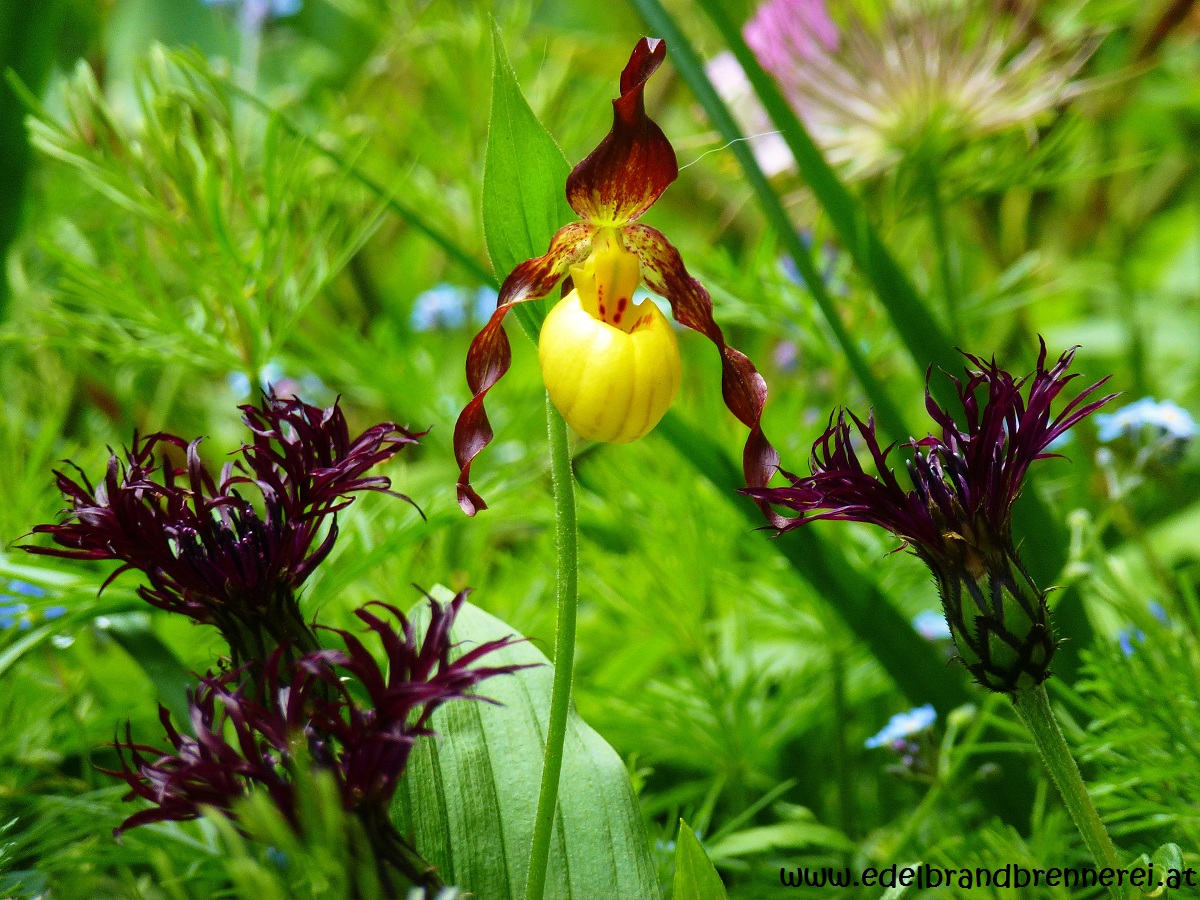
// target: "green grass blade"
[[912, 319], [912, 663], [463, 257], [18, 648], [689, 64], [134, 633]]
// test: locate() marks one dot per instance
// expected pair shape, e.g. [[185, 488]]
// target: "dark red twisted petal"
[[744, 390], [634, 164], [490, 354]]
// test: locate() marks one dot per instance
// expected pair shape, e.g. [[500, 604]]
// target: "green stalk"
[[837, 687], [567, 544], [945, 253], [1033, 708], [690, 66]]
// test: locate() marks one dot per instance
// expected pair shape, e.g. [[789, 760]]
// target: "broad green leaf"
[[21, 646], [469, 795], [524, 180], [695, 876], [524, 174], [796, 835]]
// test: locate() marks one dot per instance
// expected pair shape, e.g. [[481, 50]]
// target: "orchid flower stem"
[[1033, 708], [945, 252], [567, 543]]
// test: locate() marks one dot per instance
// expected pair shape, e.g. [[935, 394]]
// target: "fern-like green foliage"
[[1144, 737], [214, 228]]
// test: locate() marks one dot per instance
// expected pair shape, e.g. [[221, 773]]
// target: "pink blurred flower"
[[783, 32]]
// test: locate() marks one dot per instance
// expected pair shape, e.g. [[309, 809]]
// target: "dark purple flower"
[[209, 769], [211, 553], [375, 740], [957, 516], [243, 744]]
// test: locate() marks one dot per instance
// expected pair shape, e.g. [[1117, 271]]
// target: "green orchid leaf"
[[524, 179], [695, 876], [469, 795]]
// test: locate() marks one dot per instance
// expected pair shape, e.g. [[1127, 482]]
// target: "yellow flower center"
[[611, 365]]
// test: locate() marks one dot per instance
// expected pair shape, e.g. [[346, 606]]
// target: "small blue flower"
[[903, 725], [786, 356], [485, 303], [1171, 421], [442, 306], [263, 8], [828, 264], [54, 612], [931, 625], [273, 378], [277, 856], [13, 614], [239, 384], [1126, 638], [450, 306], [24, 587], [1061, 441], [1156, 610]]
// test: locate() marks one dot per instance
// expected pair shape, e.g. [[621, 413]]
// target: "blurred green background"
[[181, 230]]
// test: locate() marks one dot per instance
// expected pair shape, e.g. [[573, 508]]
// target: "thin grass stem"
[[946, 257]]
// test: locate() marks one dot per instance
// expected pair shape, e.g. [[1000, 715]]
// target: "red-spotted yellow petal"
[[609, 384]]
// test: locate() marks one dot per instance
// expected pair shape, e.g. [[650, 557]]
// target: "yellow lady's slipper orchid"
[[611, 366]]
